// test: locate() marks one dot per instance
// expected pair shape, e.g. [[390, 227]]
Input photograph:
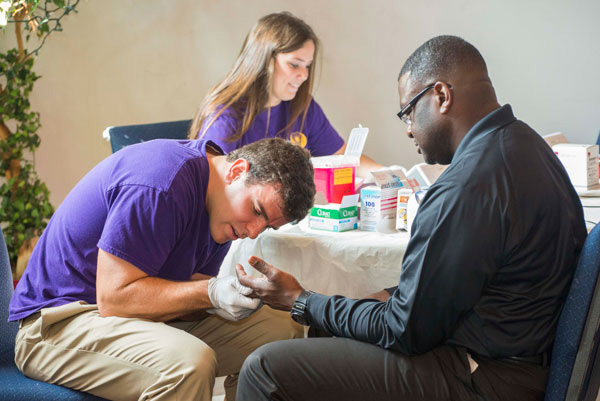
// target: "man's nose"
[[256, 227], [409, 131]]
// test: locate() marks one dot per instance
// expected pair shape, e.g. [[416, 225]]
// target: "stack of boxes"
[[580, 161], [378, 202], [384, 205]]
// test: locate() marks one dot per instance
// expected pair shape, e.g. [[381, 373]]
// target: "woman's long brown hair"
[[247, 86]]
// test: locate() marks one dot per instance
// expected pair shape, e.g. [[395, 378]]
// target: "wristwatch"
[[299, 308]]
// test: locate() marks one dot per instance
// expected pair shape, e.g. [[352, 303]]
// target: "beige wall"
[[124, 62]]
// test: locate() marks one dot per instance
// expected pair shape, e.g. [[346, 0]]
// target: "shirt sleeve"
[[142, 226], [322, 139], [223, 128], [451, 256]]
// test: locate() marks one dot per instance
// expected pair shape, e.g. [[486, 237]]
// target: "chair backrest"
[[13, 384], [577, 334], [122, 136], [8, 330]]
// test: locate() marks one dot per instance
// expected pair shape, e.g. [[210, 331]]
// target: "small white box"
[[425, 174], [413, 207], [378, 202], [402, 209], [580, 161]]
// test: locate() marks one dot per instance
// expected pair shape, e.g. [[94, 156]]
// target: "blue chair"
[[122, 136], [573, 373], [13, 384]]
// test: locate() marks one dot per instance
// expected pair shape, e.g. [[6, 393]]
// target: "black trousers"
[[331, 369]]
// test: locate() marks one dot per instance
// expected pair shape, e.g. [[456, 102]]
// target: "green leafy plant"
[[25, 207]]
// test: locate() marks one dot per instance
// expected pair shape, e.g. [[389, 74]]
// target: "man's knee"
[[252, 374], [263, 360], [190, 373], [262, 372], [199, 361]]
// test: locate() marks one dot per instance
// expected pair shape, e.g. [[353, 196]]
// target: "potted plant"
[[25, 207]]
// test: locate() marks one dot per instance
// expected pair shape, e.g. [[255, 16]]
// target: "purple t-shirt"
[[144, 204], [317, 135]]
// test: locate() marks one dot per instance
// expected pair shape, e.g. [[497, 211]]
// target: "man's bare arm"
[[124, 290]]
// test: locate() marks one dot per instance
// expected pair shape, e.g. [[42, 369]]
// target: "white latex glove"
[[229, 298]]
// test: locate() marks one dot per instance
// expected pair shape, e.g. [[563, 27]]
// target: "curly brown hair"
[[286, 166]]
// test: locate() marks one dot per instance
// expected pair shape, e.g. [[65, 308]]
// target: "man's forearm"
[[156, 299], [366, 166], [124, 290]]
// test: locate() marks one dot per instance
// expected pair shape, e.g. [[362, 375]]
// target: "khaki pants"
[[137, 359]]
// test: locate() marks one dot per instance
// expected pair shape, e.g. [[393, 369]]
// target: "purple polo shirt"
[[317, 135], [144, 204]]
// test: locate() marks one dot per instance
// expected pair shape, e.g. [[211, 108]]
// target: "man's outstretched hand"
[[277, 289]]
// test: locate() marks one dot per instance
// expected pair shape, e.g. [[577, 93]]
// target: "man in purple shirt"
[[114, 299]]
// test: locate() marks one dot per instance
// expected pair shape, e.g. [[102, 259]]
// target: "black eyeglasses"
[[404, 113]]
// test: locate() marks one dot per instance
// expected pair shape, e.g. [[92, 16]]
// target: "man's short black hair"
[[439, 56], [284, 165]]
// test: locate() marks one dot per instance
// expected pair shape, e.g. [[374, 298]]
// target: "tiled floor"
[[218, 392]]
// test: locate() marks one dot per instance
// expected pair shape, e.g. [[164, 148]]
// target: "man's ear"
[[444, 96], [237, 169]]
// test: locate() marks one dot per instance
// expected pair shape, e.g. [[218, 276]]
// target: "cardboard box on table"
[[581, 163], [425, 174], [335, 217], [378, 202]]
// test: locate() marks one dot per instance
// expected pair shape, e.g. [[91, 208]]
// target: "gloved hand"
[[229, 298]]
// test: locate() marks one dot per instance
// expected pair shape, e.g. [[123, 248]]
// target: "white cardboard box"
[[580, 161], [402, 209], [378, 202], [426, 174]]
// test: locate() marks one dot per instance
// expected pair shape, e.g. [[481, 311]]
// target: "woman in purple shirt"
[[268, 93]]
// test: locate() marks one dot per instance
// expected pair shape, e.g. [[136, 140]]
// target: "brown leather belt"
[[542, 359]]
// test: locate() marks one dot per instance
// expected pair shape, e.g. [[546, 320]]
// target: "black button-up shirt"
[[492, 253]]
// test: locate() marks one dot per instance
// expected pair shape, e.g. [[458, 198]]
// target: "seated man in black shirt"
[[493, 248]]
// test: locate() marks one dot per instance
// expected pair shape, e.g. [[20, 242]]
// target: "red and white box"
[[581, 163], [335, 175]]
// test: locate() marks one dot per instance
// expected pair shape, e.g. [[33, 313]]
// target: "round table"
[[352, 263]]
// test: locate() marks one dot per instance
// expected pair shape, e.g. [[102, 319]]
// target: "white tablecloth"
[[353, 263], [591, 210]]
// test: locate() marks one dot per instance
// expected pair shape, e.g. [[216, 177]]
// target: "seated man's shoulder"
[[157, 164]]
